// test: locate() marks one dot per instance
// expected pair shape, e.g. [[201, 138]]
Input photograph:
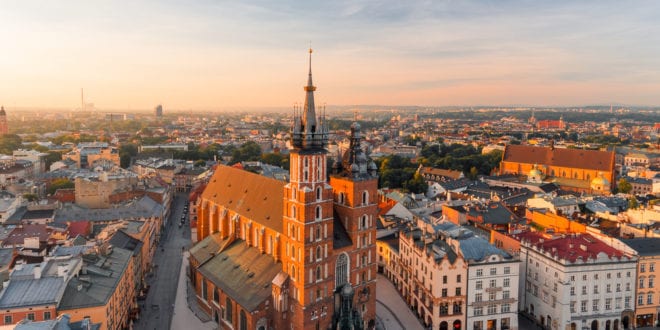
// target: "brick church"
[[291, 255]]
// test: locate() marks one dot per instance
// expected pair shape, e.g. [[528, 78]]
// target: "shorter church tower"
[[355, 188], [3, 121]]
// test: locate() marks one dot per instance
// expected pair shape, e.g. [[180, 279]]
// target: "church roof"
[[251, 195], [441, 172], [243, 273], [574, 158]]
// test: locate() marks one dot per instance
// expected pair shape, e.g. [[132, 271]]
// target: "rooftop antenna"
[[82, 100]]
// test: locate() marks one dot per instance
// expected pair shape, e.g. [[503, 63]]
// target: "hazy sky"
[[227, 54]]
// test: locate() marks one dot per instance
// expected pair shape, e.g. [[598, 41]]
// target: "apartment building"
[[576, 281]]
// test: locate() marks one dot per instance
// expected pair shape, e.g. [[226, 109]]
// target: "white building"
[[577, 282], [492, 288], [37, 158], [561, 205]]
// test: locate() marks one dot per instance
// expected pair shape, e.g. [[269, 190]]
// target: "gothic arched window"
[[244, 324], [318, 212], [228, 309], [318, 193], [365, 197], [341, 270]]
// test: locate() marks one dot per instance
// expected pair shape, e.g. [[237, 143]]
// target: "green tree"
[[277, 159], [53, 156], [473, 173], [30, 197], [416, 184], [624, 186], [126, 152], [9, 143], [249, 151], [60, 184], [200, 163], [633, 203]]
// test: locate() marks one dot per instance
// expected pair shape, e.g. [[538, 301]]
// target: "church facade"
[[291, 255], [588, 171]]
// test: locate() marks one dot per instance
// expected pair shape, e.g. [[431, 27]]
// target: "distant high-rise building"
[[158, 111], [3, 121]]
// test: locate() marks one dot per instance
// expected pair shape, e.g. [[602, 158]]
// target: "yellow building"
[[647, 311], [104, 291]]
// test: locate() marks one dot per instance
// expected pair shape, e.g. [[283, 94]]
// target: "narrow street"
[[157, 309]]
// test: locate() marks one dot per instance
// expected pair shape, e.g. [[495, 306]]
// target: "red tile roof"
[[441, 172], [550, 124], [570, 247], [573, 158], [385, 207], [18, 235], [82, 228]]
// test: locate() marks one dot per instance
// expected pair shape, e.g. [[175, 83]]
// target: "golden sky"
[[233, 54]]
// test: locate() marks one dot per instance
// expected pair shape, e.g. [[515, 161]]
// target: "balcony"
[[484, 303]]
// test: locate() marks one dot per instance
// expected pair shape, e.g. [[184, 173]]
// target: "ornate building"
[[589, 171], [296, 255]]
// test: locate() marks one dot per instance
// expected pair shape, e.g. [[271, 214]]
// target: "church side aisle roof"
[[243, 273]]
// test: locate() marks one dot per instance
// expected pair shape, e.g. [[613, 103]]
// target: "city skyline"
[[209, 55]]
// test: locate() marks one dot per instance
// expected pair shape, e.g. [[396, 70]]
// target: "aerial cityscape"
[[469, 165]]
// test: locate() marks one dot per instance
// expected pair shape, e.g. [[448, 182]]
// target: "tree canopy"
[[9, 143], [464, 158], [400, 172], [60, 184]]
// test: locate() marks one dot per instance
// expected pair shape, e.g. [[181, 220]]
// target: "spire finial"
[[310, 59]]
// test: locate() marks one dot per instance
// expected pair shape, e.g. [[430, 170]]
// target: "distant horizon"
[[253, 54], [330, 108]]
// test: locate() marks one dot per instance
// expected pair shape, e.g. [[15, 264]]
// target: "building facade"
[[492, 287], [588, 171], [433, 279], [647, 313], [576, 281]]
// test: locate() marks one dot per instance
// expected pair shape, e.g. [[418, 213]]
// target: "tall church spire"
[[309, 115], [309, 132]]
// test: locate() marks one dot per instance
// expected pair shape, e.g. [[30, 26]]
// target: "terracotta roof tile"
[[575, 158], [571, 247], [253, 196]]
